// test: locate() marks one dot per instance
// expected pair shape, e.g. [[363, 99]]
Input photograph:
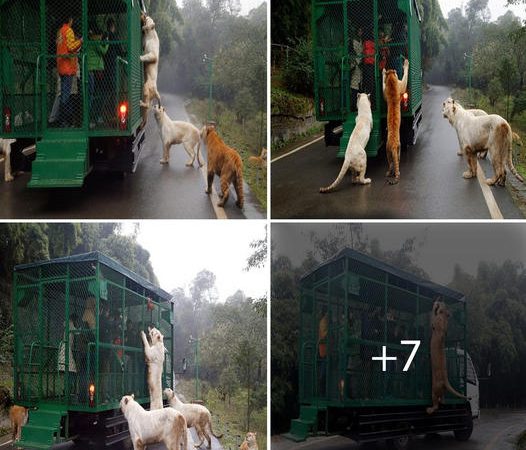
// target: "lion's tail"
[[504, 139], [455, 392], [339, 178], [517, 139], [217, 436]]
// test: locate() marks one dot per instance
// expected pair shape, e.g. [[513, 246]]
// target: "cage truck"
[[353, 40], [351, 307], [98, 126], [77, 347]]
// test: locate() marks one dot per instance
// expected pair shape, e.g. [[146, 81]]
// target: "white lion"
[[150, 58], [154, 355], [177, 132], [355, 156], [196, 416], [480, 133], [150, 427]]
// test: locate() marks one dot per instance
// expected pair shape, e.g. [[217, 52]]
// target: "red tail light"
[[7, 119], [123, 116], [91, 392], [405, 101]]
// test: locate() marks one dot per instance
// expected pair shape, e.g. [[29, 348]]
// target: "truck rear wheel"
[[399, 443], [465, 434]]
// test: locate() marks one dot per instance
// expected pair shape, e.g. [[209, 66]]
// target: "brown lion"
[[393, 89], [224, 162], [440, 382]]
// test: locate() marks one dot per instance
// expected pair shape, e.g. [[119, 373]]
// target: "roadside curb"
[[518, 192]]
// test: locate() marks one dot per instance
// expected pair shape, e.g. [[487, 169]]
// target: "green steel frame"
[[334, 24], [46, 293], [368, 305], [31, 90]]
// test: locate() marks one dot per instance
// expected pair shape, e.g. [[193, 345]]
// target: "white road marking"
[[301, 147], [5, 443], [491, 203], [296, 149]]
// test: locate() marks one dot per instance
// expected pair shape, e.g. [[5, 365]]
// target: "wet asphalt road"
[[6, 445], [154, 191], [431, 185], [495, 430]]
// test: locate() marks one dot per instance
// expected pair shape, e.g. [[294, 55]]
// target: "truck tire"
[[465, 433], [332, 138], [399, 443]]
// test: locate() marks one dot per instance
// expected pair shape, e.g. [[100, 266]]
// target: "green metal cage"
[[345, 65], [30, 88], [76, 330], [364, 304], [66, 115]]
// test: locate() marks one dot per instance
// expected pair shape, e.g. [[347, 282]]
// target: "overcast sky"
[[246, 5], [443, 245], [496, 7], [180, 249]]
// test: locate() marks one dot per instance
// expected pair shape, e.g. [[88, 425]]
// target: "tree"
[[434, 29], [167, 19], [203, 288]]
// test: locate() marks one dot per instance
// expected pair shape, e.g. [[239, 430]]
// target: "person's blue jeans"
[[66, 108]]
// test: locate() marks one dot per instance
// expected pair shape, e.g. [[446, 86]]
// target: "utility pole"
[[196, 362], [210, 84]]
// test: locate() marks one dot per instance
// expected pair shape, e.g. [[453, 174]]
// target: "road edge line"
[[491, 203], [10, 441], [301, 147], [214, 198]]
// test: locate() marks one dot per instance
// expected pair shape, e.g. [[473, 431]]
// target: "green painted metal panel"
[[69, 336], [110, 74], [340, 29], [366, 305]]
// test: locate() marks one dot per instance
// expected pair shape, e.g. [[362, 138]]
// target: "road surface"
[[495, 430], [6, 444], [154, 191], [431, 185]]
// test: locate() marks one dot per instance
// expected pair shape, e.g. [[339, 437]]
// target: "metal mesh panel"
[[107, 61], [353, 42], [50, 80], [19, 49], [346, 318], [76, 325]]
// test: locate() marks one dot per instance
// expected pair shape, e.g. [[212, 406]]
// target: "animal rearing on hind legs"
[[393, 89], [355, 156], [440, 381], [154, 356]]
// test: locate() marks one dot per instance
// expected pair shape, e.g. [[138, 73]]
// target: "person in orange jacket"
[[67, 64]]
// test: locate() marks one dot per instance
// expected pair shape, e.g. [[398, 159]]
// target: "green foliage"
[[167, 19], [433, 31], [232, 359], [247, 138], [298, 71], [290, 18], [497, 312], [287, 104], [236, 67]]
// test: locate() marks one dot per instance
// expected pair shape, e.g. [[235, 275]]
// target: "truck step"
[[60, 162], [42, 429]]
